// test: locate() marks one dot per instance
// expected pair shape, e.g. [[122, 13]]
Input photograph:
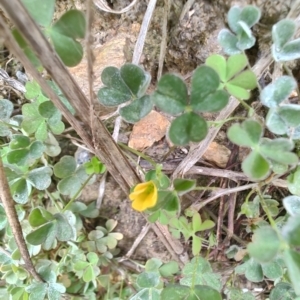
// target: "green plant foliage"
[[240, 20], [181, 292], [292, 205], [59, 226], [283, 290], [94, 166], [72, 177], [199, 272], [41, 11], [233, 79], [87, 269], [283, 49], [127, 84], [189, 127], [6, 109], [292, 261], [21, 183], [183, 186], [265, 245], [64, 34], [237, 294], [265, 152]]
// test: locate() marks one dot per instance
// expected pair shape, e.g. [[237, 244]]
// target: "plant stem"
[[77, 193], [138, 153]]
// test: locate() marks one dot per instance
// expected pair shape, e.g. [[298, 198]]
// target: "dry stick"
[[138, 49], [106, 149], [11, 213], [163, 45], [102, 4]]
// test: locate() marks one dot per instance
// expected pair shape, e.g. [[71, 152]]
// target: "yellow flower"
[[144, 196]]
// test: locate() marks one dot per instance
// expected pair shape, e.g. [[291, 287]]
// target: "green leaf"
[[19, 141], [65, 226], [135, 78], [235, 64], [116, 91], [282, 290], [290, 114], [20, 191], [64, 32], [40, 178], [6, 109], [65, 167], [265, 244], [186, 128], [169, 269], [41, 11], [292, 261], [88, 274], [26, 49], [239, 85], [278, 150], [38, 236], [278, 91], [275, 123], [219, 64], [204, 94], [290, 51], [272, 270], [183, 186], [250, 15], [234, 15], [256, 166], [246, 134], [291, 231], [18, 157], [3, 219], [199, 272], [37, 290], [228, 42], [137, 109], [153, 264], [148, 279], [292, 204], [282, 32], [39, 216], [171, 94], [254, 271]]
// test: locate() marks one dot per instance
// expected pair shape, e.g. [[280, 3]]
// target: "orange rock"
[[149, 130], [217, 154]]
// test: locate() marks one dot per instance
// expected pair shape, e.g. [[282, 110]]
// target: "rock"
[[218, 154], [149, 130]]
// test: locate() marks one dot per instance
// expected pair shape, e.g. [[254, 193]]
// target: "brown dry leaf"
[[217, 154], [149, 130]]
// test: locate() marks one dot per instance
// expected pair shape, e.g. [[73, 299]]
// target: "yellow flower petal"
[[144, 196]]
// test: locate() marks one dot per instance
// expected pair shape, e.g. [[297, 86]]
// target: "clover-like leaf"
[[246, 134], [171, 94], [290, 114], [283, 49], [275, 123], [40, 178], [282, 32], [183, 186], [292, 261], [236, 83], [20, 190], [265, 244], [128, 83], [135, 78], [228, 41], [256, 166], [204, 93], [39, 216], [186, 128], [292, 204], [278, 150], [64, 34], [41, 11], [38, 236], [137, 109], [65, 167]]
